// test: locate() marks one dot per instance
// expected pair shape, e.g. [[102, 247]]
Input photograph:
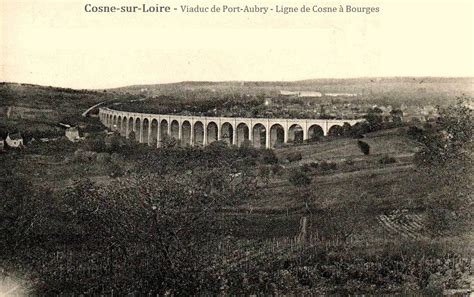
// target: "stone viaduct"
[[202, 130]]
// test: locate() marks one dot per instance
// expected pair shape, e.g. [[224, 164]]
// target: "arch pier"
[[196, 130]]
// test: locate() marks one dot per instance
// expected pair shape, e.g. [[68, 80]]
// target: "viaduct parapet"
[[202, 130]]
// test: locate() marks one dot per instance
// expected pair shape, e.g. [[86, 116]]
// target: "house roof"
[[15, 136]]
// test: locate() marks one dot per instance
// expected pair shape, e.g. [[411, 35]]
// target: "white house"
[[309, 94], [340, 94], [288, 93], [301, 93], [72, 133], [14, 140]]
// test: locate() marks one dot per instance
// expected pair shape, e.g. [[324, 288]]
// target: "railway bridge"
[[202, 130]]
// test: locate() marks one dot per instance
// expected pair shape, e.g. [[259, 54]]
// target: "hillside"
[[33, 109], [429, 90]]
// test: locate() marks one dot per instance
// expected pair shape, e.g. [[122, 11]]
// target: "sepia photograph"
[[236, 148]]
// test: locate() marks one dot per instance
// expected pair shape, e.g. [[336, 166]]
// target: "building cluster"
[[318, 105], [16, 140], [13, 140], [310, 109], [301, 105]]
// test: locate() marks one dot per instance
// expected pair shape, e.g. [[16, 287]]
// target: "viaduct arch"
[[197, 130]]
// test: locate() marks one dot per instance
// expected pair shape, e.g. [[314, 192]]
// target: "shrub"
[[84, 156], [115, 170], [415, 132], [132, 136], [246, 144], [358, 130], [277, 169], [268, 157], [364, 147], [326, 166], [386, 159], [313, 139], [306, 168], [293, 157], [96, 144], [116, 157], [103, 157], [264, 172], [299, 178], [169, 142]]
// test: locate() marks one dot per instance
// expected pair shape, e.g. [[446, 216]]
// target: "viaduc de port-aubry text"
[[283, 9]]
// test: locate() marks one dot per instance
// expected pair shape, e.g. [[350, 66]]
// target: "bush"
[[306, 168], [387, 160], [96, 144], [169, 142], [326, 166], [364, 147], [293, 157], [116, 157], [115, 170], [103, 157], [84, 156], [277, 169], [358, 130], [313, 139], [415, 132], [299, 178], [268, 157], [264, 172]]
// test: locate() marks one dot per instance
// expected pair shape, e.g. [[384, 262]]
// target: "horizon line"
[[238, 81]]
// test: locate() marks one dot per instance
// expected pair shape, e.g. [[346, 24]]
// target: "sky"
[[56, 43]]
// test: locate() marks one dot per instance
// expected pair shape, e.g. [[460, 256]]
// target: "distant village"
[[313, 104], [15, 140], [357, 110]]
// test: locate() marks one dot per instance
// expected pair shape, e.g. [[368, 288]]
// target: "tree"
[[301, 180], [115, 142], [374, 119], [346, 129], [359, 129], [132, 136], [447, 165], [169, 142], [95, 144], [298, 178], [364, 147], [264, 173], [451, 137]]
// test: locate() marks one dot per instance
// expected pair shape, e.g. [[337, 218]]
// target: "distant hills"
[[434, 90], [368, 87], [23, 106]]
